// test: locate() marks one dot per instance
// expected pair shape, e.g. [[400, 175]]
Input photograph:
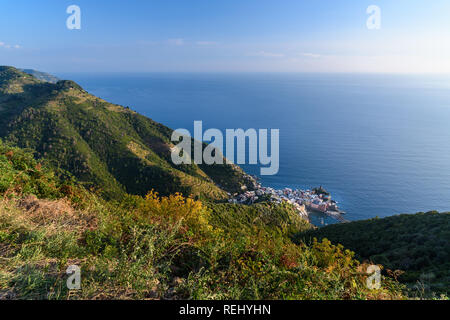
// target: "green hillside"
[[106, 146], [159, 248], [416, 244]]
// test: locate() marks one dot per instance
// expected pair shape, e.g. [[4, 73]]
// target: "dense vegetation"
[[416, 244], [103, 145], [159, 247]]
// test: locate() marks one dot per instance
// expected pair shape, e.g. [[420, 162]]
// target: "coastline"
[[306, 202]]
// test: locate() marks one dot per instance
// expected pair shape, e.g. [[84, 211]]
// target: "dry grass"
[[138, 151], [38, 232], [54, 215]]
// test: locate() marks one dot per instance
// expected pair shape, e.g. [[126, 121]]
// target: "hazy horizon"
[[228, 36]]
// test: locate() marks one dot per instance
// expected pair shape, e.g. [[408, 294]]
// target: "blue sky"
[[227, 35]]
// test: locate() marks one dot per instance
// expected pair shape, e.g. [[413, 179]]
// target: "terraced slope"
[[43, 76]]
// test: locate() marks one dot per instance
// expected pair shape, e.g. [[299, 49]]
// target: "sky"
[[227, 36]]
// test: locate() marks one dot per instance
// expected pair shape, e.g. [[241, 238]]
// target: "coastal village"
[[304, 201]]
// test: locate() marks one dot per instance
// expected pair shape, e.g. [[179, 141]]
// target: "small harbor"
[[306, 202]]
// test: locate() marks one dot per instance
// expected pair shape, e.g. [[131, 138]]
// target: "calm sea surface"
[[379, 143]]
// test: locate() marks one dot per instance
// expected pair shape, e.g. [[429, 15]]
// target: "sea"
[[379, 143]]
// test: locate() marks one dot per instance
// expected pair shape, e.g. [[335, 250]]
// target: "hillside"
[[159, 248], [106, 146], [43, 76], [416, 244]]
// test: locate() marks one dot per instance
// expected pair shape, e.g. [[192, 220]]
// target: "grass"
[[159, 247], [146, 255]]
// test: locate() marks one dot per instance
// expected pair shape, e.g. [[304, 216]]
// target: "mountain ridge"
[[101, 143], [42, 76]]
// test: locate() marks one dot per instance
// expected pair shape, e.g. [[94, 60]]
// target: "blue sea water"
[[379, 143]]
